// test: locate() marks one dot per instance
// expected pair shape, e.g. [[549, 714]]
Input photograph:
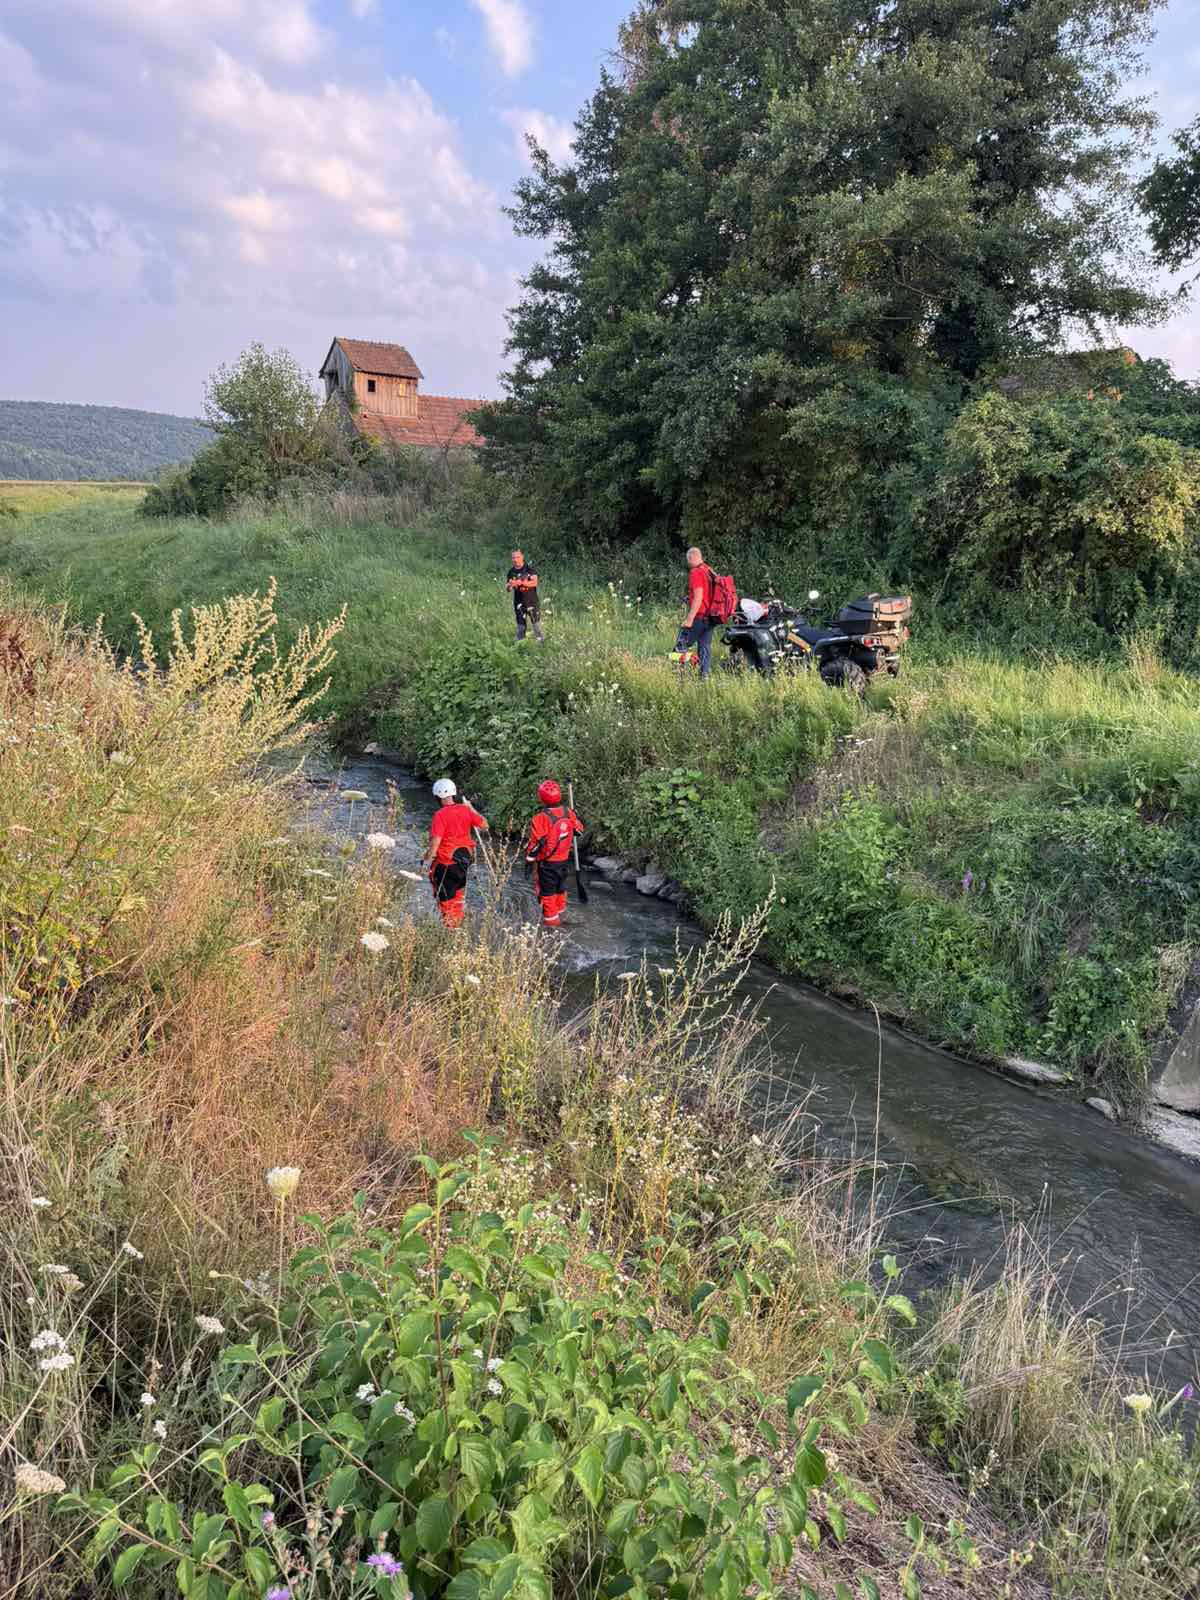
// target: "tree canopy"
[[1170, 194], [778, 215]]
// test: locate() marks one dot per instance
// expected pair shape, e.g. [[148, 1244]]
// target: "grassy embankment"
[[187, 1002], [1001, 851]]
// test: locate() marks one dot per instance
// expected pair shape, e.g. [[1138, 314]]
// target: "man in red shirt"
[[551, 834], [698, 625], [451, 851]]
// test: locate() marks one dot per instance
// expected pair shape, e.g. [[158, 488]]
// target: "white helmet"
[[444, 789]]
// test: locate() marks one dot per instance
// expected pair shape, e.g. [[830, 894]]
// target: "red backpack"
[[723, 597]]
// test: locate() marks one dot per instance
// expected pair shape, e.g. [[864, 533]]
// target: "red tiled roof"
[[441, 421], [385, 360]]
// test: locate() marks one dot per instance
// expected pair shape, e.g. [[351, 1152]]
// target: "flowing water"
[[967, 1151]]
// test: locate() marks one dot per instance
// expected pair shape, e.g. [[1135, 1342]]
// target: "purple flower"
[[268, 1519], [385, 1564], [968, 879], [1188, 1392], [279, 1594]]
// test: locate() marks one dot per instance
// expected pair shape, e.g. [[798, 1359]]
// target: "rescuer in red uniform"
[[551, 834], [451, 851]]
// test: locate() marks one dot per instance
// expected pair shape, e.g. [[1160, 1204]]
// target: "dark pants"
[[531, 610], [700, 635]]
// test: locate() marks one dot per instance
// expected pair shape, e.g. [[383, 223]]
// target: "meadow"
[[925, 848], [326, 1237]]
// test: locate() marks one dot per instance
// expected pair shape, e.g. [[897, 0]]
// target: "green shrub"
[[476, 1405]]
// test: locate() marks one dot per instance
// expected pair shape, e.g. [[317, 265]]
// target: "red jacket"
[[551, 833]]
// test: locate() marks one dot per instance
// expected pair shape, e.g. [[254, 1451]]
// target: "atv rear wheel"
[[740, 660], [843, 674]]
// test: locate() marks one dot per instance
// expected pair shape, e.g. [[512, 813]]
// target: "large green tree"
[[1170, 194], [781, 212]]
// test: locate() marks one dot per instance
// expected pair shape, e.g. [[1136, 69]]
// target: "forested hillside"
[[45, 441]]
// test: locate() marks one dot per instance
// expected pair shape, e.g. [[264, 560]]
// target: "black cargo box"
[[876, 613]]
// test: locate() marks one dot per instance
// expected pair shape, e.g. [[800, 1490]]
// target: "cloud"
[[364, 8], [510, 33], [554, 136], [195, 158], [446, 42]]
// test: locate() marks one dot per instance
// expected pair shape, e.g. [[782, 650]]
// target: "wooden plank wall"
[[393, 397]]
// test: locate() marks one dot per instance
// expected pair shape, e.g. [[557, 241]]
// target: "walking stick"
[[579, 883]]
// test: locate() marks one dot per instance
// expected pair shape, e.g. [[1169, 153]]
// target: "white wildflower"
[[494, 1364], [39, 1202], [1139, 1404], [147, 1399], [384, 922], [380, 841], [209, 1325], [317, 872], [71, 1284], [119, 759], [354, 794], [58, 1362], [47, 1340], [7, 1000], [374, 942], [366, 1391], [494, 1386], [32, 1480], [401, 1410], [626, 977], [282, 1181], [160, 1429], [55, 1270], [477, 1353], [472, 980], [133, 1251]]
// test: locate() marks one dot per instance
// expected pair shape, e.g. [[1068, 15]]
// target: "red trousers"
[[553, 906], [454, 910]]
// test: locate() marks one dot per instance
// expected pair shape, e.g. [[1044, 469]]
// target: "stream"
[[968, 1152]]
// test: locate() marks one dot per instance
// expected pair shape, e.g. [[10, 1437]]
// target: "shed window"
[[370, 385]]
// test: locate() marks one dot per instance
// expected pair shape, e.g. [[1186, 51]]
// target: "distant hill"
[[44, 441]]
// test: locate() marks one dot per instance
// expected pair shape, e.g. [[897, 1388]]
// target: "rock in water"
[[1033, 1071], [1177, 1132], [1178, 1084], [651, 881], [1104, 1107], [608, 865]]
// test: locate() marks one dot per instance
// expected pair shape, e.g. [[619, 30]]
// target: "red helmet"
[[549, 793]]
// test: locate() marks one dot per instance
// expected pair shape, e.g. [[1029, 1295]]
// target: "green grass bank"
[[1002, 851]]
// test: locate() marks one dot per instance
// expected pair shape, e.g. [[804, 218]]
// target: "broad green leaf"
[[588, 1472], [205, 1531], [259, 1566], [717, 1327], [434, 1522], [342, 1486], [413, 1332], [238, 1506], [869, 1588], [384, 1519], [538, 1267], [127, 1564], [462, 1261], [880, 1356], [811, 1468], [836, 1520], [622, 1519], [465, 1586], [485, 1552], [801, 1392], [701, 1294], [915, 1529], [345, 1425], [476, 1460], [414, 1217]]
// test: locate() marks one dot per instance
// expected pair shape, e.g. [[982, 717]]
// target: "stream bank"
[[967, 1152]]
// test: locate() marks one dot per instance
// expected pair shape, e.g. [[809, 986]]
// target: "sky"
[[181, 177]]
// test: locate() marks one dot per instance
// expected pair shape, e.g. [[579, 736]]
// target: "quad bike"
[[862, 642]]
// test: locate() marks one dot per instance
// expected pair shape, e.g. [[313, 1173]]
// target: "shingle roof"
[[385, 360], [441, 421]]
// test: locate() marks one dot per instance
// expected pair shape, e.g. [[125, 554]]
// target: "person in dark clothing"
[[523, 581]]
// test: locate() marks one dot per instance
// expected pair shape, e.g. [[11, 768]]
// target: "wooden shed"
[[379, 385]]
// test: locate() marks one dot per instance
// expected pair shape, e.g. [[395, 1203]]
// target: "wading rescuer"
[[527, 606], [551, 835], [451, 851]]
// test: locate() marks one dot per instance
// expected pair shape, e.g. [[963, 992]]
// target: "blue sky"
[[179, 177]]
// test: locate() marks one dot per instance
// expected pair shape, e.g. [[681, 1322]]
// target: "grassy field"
[[199, 995], [1000, 851], [29, 497]]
